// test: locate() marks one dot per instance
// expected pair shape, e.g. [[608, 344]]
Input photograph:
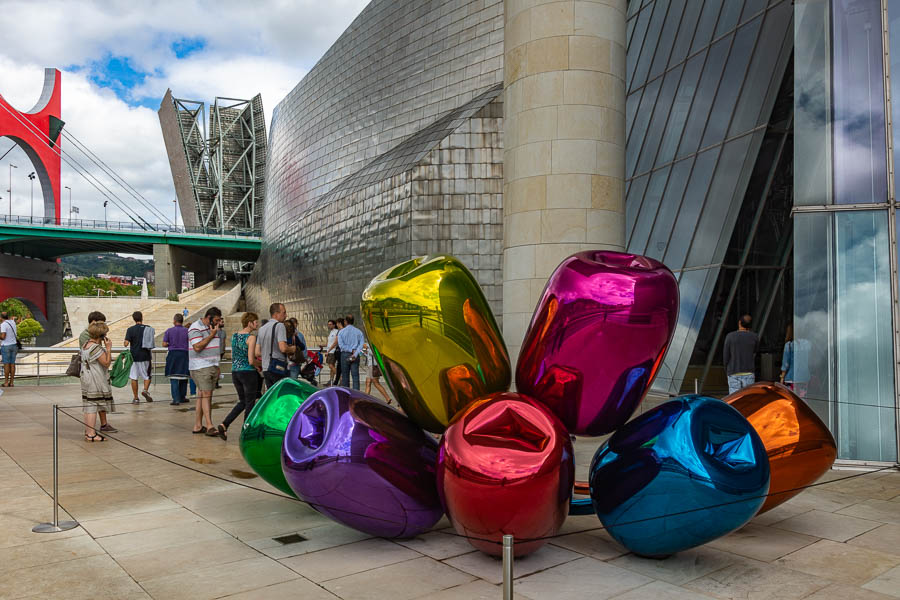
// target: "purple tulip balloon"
[[598, 337], [363, 464]]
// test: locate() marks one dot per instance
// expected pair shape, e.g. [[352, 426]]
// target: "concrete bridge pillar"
[[170, 261], [564, 143]]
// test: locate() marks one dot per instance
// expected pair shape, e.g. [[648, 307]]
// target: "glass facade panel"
[[668, 211], [894, 28], [651, 40], [703, 98], [637, 42], [732, 78], [680, 108], [661, 116], [812, 102], [639, 128], [863, 337], [860, 170], [633, 202], [667, 37], [707, 25], [751, 7], [644, 223], [776, 26], [631, 105], [728, 17], [686, 31], [689, 209]]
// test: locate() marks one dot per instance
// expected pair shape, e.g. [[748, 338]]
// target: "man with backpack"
[[139, 341], [273, 345]]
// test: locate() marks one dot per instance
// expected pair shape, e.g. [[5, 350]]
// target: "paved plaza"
[[153, 529]]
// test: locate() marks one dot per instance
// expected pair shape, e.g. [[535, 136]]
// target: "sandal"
[[94, 438], [201, 430], [212, 432], [223, 433]]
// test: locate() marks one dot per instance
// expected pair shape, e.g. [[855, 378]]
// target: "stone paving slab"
[[153, 529]]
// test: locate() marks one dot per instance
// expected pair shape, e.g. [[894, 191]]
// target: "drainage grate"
[[290, 539]]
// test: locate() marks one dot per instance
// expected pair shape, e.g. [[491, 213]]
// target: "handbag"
[[74, 368], [276, 365]]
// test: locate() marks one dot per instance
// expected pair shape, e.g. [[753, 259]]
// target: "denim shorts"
[[8, 354]]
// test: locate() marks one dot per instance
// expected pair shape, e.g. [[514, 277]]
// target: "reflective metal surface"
[[678, 476], [387, 149], [506, 466], [597, 338], [363, 464], [799, 445], [434, 334], [263, 430]]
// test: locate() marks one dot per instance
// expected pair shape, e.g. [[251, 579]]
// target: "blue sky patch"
[[184, 47]]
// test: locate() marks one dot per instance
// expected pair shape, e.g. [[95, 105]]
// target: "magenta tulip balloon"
[[598, 337]]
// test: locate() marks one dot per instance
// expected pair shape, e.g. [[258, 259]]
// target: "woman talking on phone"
[[204, 353]]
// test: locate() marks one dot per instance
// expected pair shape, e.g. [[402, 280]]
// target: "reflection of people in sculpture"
[[795, 363], [374, 377]]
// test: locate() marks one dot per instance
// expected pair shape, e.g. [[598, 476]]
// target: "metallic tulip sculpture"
[[799, 445], [363, 464], [263, 430], [680, 475], [598, 337], [506, 465], [435, 338]]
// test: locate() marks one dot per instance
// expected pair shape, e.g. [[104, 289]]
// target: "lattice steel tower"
[[220, 177]]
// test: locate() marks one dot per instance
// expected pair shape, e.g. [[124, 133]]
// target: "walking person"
[[273, 346], [96, 393], [339, 324], [795, 363], [135, 340], [374, 374], [83, 338], [203, 362], [184, 314], [739, 355], [9, 347], [330, 356], [244, 372], [298, 341], [175, 340], [351, 341]]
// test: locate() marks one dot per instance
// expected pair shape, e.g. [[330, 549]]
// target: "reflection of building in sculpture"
[[390, 149], [219, 178]]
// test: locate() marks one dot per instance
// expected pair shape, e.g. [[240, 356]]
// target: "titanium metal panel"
[[717, 98]]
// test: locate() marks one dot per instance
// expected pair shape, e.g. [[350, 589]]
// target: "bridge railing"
[[121, 226], [50, 363]]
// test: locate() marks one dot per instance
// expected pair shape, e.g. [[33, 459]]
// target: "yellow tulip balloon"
[[434, 336]]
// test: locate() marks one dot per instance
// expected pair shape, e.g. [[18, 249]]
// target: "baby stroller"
[[313, 366]]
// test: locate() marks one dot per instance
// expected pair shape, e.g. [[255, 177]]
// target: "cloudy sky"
[[119, 56]]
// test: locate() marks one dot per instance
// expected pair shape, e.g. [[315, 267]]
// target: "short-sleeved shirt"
[[83, 338], [267, 347], [332, 335], [176, 338], [9, 328], [209, 356], [135, 338], [239, 358]]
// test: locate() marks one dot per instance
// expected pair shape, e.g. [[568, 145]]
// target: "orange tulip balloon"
[[799, 445]]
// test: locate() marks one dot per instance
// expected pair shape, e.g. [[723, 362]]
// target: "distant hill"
[[87, 265]]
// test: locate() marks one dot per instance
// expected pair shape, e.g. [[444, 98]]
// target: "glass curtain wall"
[[844, 296]]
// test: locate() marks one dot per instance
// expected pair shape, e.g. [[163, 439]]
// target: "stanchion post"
[[56, 526], [507, 567], [696, 386]]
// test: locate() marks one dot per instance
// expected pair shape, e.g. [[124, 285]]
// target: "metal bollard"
[[507, 567], [696, 386], [56, 526]]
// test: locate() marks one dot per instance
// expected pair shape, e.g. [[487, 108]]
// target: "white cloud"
[[249, 48]]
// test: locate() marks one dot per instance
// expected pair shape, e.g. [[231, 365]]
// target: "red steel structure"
[[37, 132]]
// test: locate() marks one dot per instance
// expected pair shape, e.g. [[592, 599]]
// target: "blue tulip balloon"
[[683, 474]]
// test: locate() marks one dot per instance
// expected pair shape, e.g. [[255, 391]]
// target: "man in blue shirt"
[[350, 340]]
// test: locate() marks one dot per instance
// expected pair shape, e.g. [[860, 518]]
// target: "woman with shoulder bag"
[[96, 393], [244, 373]]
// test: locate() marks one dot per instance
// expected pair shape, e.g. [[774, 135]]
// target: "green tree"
[[29, 328], [15, 308], [89, 285]]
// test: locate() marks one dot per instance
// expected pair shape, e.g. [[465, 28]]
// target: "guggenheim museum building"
[[747, 144]]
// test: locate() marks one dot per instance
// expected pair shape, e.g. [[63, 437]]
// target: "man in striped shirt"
[[204, 353]]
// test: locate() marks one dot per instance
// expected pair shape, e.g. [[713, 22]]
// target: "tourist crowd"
[[263, 352]]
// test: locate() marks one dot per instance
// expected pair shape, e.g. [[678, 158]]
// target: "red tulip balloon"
[[506, 466], [598, 337]]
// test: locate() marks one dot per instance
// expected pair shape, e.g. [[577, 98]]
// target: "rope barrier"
[[473, 537]]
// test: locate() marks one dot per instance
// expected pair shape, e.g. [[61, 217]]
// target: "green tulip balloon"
[[263, 431]]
